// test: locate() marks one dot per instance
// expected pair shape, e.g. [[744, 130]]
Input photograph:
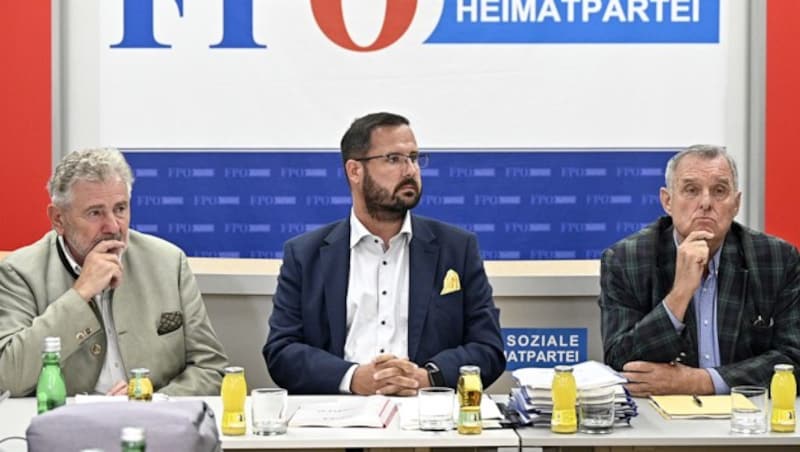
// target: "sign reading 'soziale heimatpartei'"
[[544, 347]]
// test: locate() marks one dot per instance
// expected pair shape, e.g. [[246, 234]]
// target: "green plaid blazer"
[[758, 315]]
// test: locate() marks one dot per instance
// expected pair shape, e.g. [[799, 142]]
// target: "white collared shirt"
[[377, 296], [113, 367]]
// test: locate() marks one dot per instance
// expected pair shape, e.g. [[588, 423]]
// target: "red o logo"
[[330, 19]]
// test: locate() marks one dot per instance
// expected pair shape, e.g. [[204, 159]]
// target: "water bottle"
[[51, 392], [133, 439]]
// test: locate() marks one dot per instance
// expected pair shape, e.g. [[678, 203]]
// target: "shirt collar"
[[70, 259], [713, 264], [358, 231]]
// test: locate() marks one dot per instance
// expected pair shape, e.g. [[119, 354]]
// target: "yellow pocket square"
[[451, 283]]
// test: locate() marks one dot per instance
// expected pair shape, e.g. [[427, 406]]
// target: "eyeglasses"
[[396, 159]]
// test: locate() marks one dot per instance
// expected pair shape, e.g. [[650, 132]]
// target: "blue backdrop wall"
[[522, 204]]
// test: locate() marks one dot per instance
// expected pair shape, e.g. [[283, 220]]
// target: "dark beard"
[[383, 206]]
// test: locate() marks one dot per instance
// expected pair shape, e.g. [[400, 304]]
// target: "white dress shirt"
[[377, 296], [113, 367]]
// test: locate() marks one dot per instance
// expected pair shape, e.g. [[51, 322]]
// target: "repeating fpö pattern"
[[522, 204]]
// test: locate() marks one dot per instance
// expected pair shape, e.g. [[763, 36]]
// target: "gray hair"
[[93, 165], [705, 152]]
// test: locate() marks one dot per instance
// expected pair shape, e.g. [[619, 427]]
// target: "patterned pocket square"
[[451, 283], [170, 321]]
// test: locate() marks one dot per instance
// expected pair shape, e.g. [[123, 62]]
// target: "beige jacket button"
[[96, 349], [80, 336]]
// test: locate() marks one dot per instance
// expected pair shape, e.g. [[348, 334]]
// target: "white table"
[[390, 437], [649, 428], [15, 414]]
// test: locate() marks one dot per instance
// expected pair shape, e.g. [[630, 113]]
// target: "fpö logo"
[[463, 22]]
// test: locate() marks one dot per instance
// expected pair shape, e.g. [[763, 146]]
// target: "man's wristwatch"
[[434, 374]]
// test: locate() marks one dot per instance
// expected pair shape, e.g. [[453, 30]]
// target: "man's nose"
[[410, 167], [706, 199], [111, 223]]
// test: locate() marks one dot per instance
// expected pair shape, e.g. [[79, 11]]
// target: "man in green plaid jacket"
[[696, 303]]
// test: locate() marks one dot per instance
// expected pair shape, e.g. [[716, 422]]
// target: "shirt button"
[[383, 322], [383, 293], [384, 263], [381, 350], [376, 240], [705, 322], [707, 356]]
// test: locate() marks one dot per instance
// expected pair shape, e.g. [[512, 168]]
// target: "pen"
[[697, 400]]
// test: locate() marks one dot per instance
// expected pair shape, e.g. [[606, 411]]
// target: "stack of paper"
[[533, 402], [685, 406], [588, 374], [351, 411]]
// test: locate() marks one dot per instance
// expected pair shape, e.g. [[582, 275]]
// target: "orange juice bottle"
[[140, 387], [783, 391], [470, 389], [234, 393], [565, 393]]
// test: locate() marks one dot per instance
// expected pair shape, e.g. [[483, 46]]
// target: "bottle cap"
[[51, 344], [469, 370], [132, 434], [140, 372], [563, 368], [234, 370], [783, 367]]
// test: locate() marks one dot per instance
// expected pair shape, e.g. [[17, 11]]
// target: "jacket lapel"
[[335, 264], [423, 261], [732, 281]]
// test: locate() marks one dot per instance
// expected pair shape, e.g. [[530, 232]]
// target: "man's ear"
[[666, 200], [56, 215], [354, 171]]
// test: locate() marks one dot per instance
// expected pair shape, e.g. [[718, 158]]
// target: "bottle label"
[[564, 421], [783, 420]]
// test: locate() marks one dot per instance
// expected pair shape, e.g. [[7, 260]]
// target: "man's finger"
[[700, 235], [637, 366], [109, 246], [637, 390], [383, 358], [398, 380], [387, 373], [119, 388], [397, 390], [400, 363]]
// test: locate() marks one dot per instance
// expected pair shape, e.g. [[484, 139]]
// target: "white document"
[[588, 374], [351, 411], [409, 413]]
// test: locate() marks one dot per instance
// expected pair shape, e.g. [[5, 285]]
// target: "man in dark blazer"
[[382, 302], [696, 303]]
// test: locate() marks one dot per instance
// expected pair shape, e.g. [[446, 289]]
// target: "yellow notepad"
[[684, 407]]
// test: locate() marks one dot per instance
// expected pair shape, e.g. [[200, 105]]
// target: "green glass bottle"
[[51, 392], [133, 439]]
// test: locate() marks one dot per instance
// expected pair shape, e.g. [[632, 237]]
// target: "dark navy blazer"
[[307, 328]]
